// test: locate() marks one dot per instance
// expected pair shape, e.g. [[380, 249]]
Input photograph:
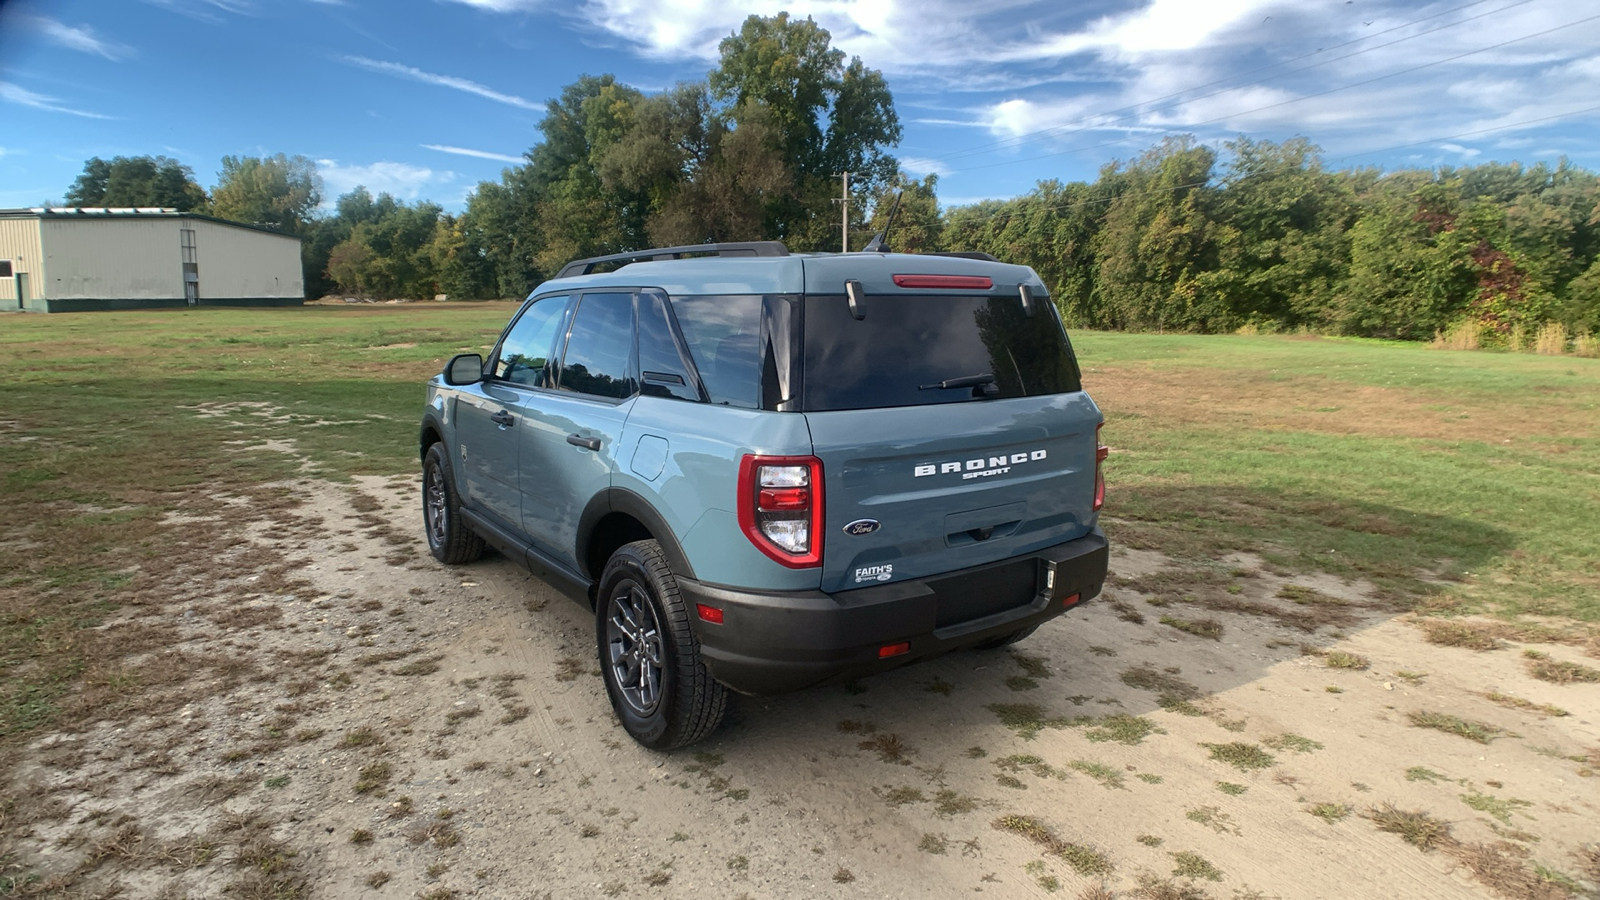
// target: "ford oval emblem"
[[861, 526]]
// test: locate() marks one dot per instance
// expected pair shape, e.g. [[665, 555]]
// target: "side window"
[[600, 347], [528, 347], [662, 372], [724, 335]]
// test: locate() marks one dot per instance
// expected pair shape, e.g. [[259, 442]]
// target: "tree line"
[[1184, 237]]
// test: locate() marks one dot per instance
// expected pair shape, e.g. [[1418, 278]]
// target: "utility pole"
[[845, 223]]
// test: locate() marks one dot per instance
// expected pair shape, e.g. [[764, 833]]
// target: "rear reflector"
[[888, 650], [709, 613], [1068, 602], [948, 282]]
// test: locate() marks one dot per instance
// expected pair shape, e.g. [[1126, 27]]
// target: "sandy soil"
[[418, 730]]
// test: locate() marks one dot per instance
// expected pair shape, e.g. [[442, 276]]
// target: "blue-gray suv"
[[764, 471]]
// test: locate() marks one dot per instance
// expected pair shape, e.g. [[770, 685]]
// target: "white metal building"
[[70, 259]]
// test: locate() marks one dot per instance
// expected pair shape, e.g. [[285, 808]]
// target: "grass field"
[[1455, 481]]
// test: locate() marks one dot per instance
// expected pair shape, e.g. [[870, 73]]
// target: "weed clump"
[[1500, 809], [948, 803], [1108, 777], [1206, 628], [1332, 813], [1542, 667], [1034, 666], [1416, 827], [1231, 789], [1472, 730], [1146, 677], [1188, 864], [936, 844], [1290, 741], [1447, 633], [1122, 729], [891, 748], [1026, 719], [1544, 709], [1214, 818], [373, 776], [900, 796], [1241, 756], [1339, 659], [1084, 860]]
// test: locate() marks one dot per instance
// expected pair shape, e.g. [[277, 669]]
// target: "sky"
[[426, 98]]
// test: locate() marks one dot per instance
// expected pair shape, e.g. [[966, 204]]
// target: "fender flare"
[[622, 500]]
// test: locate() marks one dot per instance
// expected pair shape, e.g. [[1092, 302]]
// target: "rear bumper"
[[774, 642]]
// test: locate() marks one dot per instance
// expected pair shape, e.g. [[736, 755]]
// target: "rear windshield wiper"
[[964, 381]]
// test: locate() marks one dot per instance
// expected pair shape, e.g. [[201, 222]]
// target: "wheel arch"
[[619, 516], [431, 433]]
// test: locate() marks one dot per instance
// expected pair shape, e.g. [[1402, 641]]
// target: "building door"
[[191, 267], [22, 290]]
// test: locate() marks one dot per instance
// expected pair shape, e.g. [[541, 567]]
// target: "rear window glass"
[[724, 337], [907, 345]]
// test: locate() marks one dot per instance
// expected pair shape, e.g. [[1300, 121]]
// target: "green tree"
[[827, 116], [918, 226], [1411, 270], [137, 181], [1284, 247], [279, 191], [1159, 240]]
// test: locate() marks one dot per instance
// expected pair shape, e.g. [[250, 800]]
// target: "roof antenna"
[[877, 244]]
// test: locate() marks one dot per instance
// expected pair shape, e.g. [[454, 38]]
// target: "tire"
[[449, 538], [1006, 640], [649, 656]]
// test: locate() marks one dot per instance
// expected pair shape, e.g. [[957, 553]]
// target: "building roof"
[[129, 212]]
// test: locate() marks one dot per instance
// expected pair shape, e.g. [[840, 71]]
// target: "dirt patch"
[[354, 717]]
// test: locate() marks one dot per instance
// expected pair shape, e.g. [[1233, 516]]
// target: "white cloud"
[[12, 93], [80, 38], [1466, 152], [918, 165], [480, 154], [403, 180], [449, 81]]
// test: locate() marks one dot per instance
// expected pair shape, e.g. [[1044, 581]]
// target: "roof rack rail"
[[967, 254], [737, 248]]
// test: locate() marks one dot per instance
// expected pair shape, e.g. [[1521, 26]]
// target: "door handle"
[[587, 443], [502, 418]]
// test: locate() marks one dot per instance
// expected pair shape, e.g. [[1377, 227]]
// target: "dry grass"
[[1206, 628], [1340, 659], [1471, 729], [1416, 827], [1451, 633], [1465, 335], [1543, 709], [1148, 678], [1543, 667], [1084, 860], [1552, 339], [891, 748]]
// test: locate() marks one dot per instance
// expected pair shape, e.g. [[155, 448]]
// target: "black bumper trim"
[[779, 641]]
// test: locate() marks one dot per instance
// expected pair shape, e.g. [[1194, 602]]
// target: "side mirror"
[[465, 368]]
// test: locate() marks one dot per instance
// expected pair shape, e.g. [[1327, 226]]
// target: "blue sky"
[[424, 98]]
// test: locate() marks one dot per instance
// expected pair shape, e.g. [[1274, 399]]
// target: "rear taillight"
[[780, 507], [1100, 451]]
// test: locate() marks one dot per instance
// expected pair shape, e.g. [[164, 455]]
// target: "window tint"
[[662, 372], [527, 347], [907, 345], [724, 337], [599, 347]]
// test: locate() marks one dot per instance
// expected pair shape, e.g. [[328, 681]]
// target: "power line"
[[1451, 137], [1033, 136], [1325, 93]]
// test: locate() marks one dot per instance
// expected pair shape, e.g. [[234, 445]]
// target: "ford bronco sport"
[[766, 471]]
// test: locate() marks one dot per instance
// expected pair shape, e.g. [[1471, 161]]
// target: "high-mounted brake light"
[[948, 282], [1100, 453], [780, 507]]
